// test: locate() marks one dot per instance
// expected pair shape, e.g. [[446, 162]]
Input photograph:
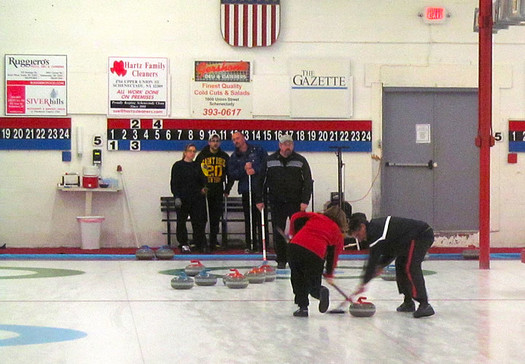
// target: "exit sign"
[[434, 15]]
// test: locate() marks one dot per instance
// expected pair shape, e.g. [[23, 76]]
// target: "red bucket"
[[90, 181]]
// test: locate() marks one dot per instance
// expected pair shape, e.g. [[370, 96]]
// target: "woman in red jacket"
[[317, 237]]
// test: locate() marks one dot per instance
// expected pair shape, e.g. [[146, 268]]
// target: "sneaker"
[[281, 265], [407, 307], [301, 312], [185, 249], [423, 310], [324, 299]]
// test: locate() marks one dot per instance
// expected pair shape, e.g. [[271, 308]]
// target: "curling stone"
[[470, 254], [182, 281], [256, 275], [362, 308], [194, 268], [236, 280], [269, 273], [204, 278], [145, 253], [389, 273], [228, 276], [164, 253]]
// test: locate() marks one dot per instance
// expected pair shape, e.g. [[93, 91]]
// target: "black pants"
[[409, 275], [306, 273], [255, 223], [280, 213], [195, 208], [215, 211]]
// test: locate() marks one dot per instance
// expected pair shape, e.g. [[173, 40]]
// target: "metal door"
[[430, 163]]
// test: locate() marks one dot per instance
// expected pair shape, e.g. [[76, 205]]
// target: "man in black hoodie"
[[213, 160]]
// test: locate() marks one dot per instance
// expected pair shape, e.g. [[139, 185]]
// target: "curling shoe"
[[423, 310], [407, 307], [324, 299], [301, 312]]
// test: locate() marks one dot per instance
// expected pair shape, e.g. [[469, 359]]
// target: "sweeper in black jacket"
[[405, 240]]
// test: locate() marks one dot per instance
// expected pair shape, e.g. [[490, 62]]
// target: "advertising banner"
[[35, 85], [222, 89], [138, 86], [320, 88]]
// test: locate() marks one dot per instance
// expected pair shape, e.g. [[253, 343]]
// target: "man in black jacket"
[[288, 179], [213, 161], [405, 240]]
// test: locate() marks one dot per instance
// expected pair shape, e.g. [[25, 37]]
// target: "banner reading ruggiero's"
[[222, 89], [35, 85], [138, 86]]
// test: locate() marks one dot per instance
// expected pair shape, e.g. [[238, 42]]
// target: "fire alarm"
[[434, 14]]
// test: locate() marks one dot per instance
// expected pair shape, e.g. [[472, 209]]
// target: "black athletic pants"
[[215, 210], [306, 273], [195, 208], [409, 275], [255, 223], [280, 213]]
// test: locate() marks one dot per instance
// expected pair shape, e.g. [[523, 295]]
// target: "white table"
[[89, 195]]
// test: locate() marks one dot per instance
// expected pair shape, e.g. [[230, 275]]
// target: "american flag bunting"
[[250, 23]]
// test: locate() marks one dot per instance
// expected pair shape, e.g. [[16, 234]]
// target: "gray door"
[[430, 162]]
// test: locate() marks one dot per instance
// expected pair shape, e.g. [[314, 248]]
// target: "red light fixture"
[[434, 14]]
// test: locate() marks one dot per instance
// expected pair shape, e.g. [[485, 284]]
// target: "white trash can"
[[90, 231]]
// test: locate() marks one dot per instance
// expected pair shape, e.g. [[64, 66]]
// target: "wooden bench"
[[233, 213]]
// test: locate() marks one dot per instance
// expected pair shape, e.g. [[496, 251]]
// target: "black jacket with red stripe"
[[390, 237]]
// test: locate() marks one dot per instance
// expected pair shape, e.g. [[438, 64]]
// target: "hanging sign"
[[222, 90], [35, 85], [320, 88], [138, 86]]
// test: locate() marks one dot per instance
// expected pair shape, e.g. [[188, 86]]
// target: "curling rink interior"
[[125, 311]]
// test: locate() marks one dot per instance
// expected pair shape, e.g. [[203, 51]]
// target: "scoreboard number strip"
[[173, 134]]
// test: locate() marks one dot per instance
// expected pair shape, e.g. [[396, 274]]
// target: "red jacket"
[[318, 233]]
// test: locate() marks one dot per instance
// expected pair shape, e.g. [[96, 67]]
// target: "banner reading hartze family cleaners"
[[138, 86], [35, 85], [222, 90]]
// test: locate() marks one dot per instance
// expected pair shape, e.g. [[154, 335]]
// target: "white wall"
[[384, 40]]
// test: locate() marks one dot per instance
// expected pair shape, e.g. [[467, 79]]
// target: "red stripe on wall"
[[236, 25], [254, 27], [242, 124], [63, 123], [264, 18], [245, 26], [227, 23], [517, 125], [274, 24]]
